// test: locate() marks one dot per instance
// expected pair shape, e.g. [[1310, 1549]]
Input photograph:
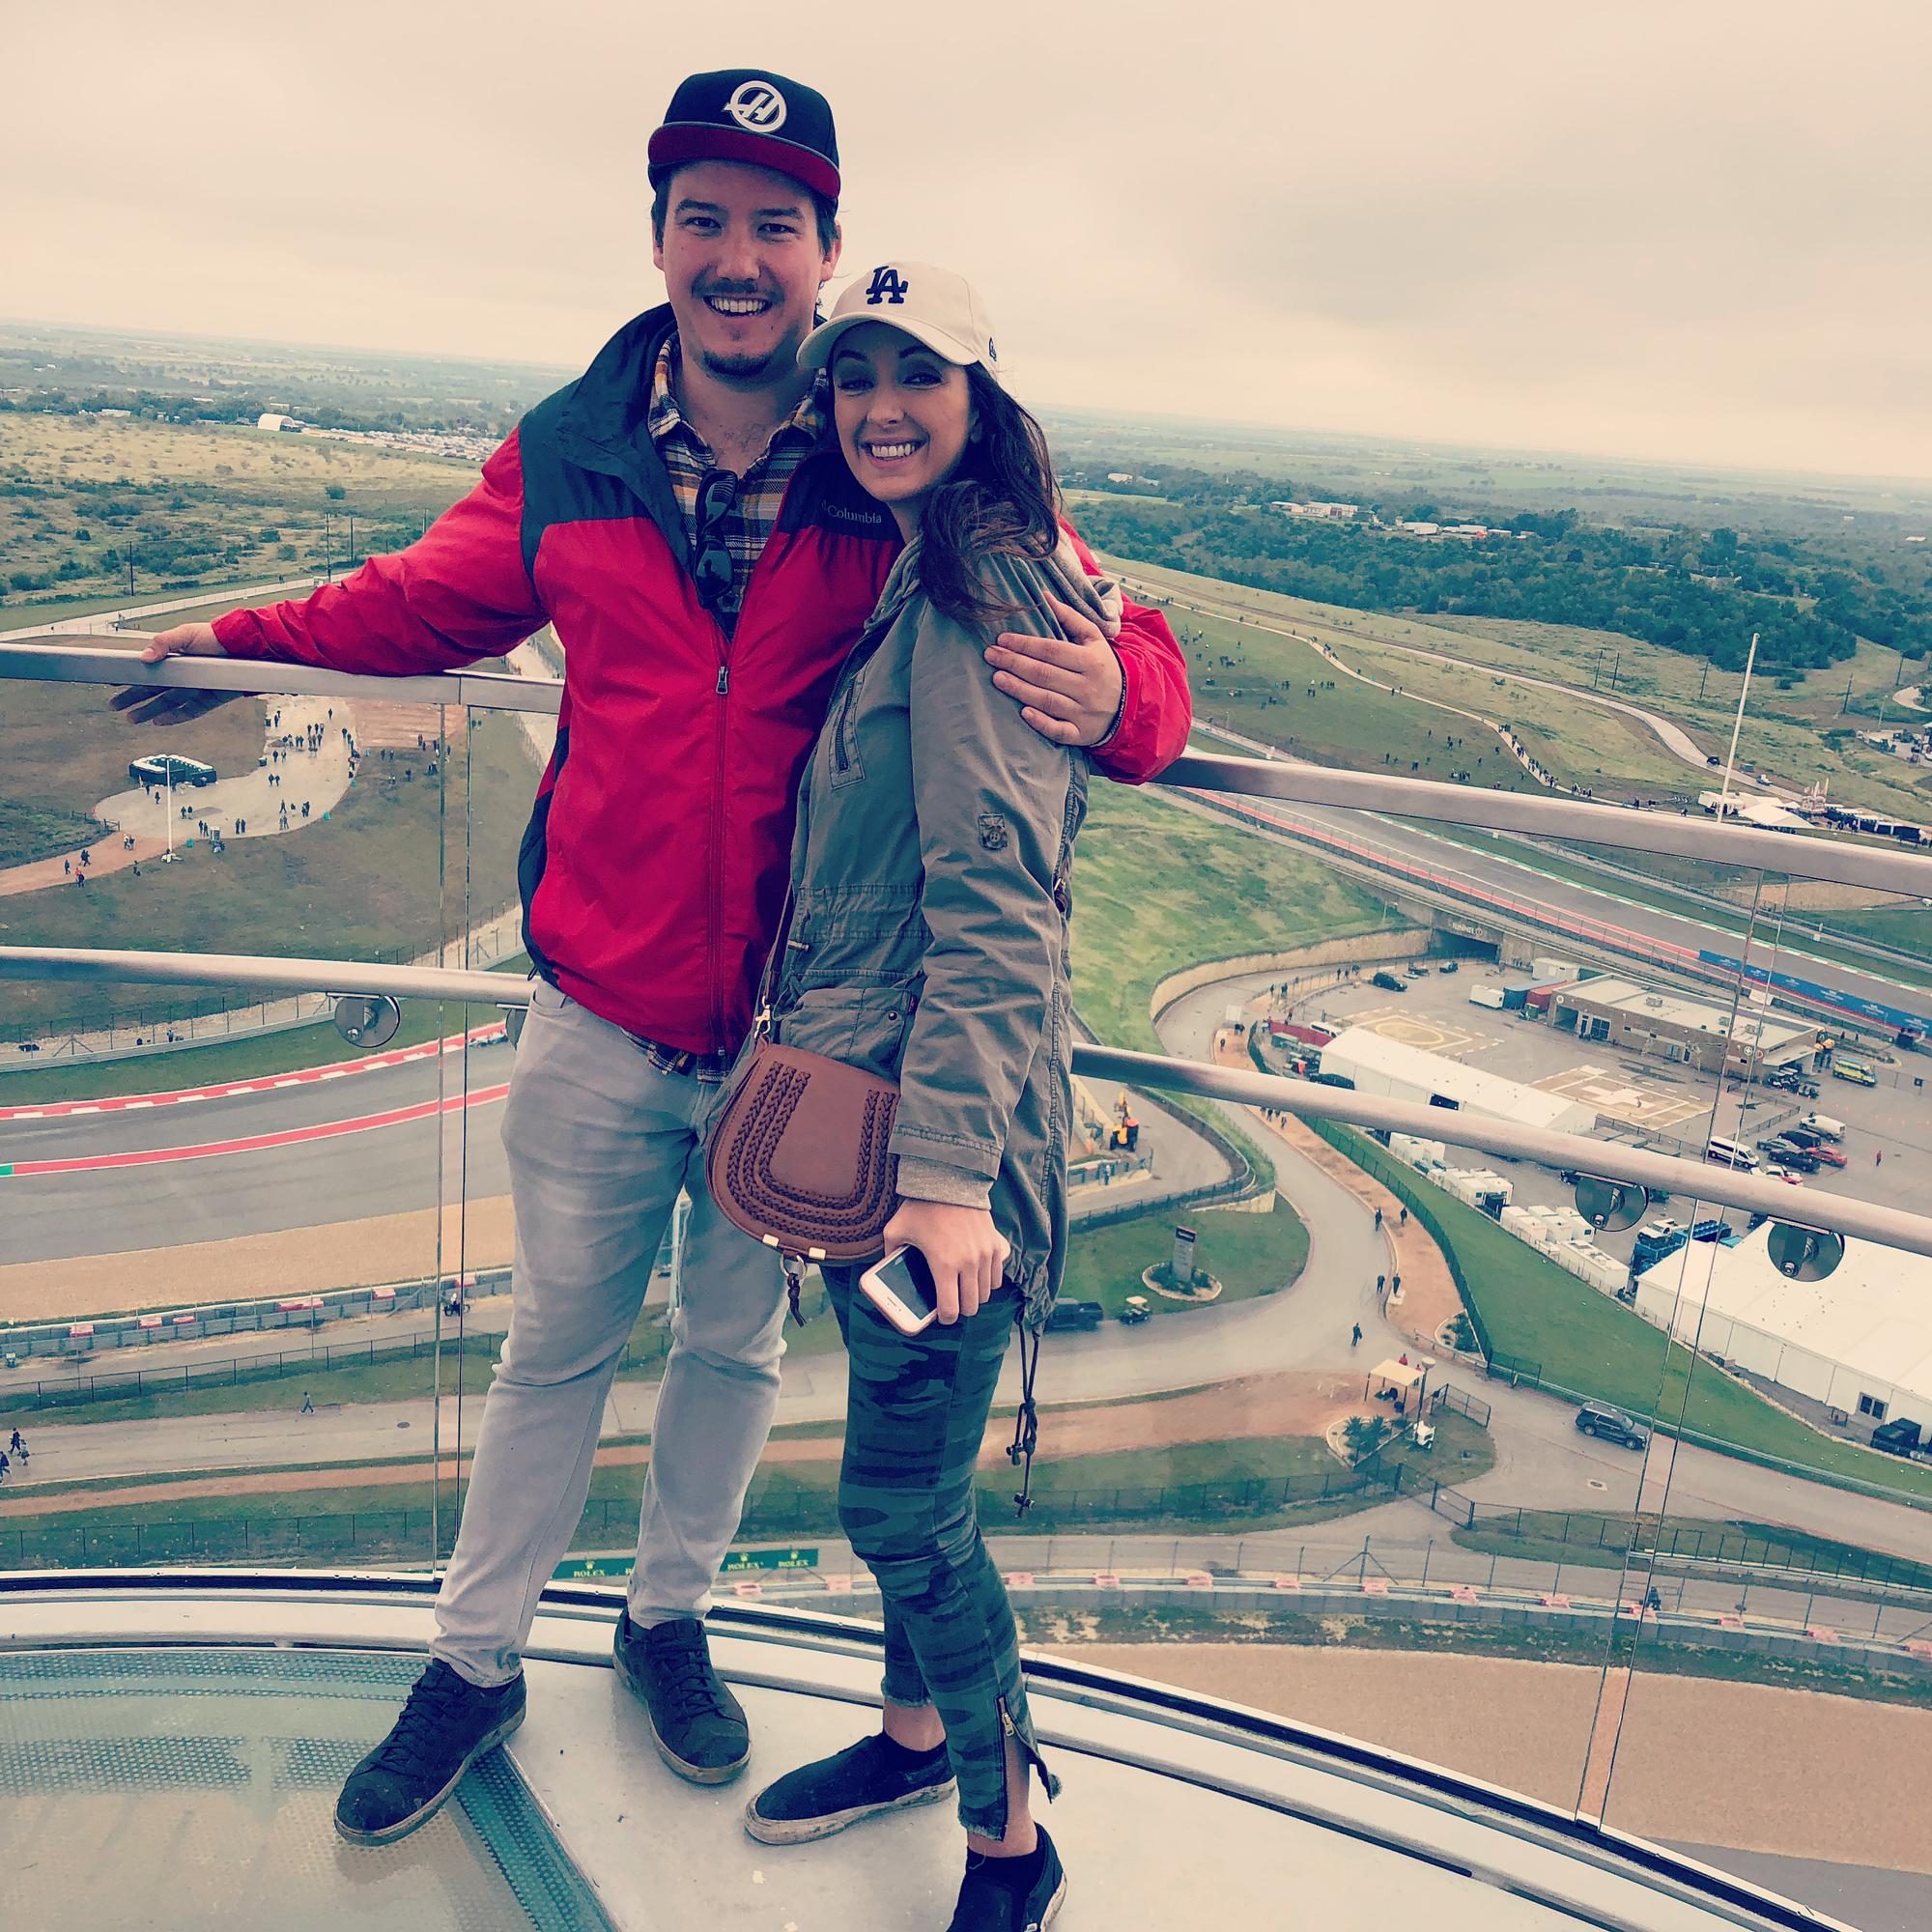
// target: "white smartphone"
[[899, 1286]]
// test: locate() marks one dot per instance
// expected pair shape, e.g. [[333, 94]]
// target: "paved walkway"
[[266, 799]]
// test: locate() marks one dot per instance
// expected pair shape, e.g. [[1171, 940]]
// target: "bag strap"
[[863, 647]]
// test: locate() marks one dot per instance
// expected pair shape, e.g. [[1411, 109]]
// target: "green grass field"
[[1584, 1341], [66, 750], [1600, 1539], [192, 503], [1157, 889], [1203, 1485], [1247, 1253], [1782, 728], [364, 883]]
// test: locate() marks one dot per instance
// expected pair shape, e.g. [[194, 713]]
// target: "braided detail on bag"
[[841, 1119]]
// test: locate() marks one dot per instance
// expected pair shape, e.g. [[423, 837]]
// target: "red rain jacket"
[[654, 867]]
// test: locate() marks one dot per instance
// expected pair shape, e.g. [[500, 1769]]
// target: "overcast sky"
[[1687, 229]]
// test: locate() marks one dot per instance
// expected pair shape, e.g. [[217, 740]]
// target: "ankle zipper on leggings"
[[1029, 1750]]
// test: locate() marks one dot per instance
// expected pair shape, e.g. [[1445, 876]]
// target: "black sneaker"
[[447, 1724], [989, 1901], [874, 1776], [699, 1726]]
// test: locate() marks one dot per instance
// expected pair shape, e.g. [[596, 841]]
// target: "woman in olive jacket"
[[927, 942]]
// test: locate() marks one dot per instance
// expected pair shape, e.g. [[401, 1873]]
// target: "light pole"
[[168, 796]]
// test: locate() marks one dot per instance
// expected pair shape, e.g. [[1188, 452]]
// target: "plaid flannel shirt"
[[687, 459]]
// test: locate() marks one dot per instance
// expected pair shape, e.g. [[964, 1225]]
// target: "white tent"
[[1866, 1330], [1387, 1067]]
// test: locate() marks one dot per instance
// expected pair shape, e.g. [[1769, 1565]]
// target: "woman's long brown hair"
[[1000, 500]]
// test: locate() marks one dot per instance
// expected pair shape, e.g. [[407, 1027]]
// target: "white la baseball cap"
[[932, 305]]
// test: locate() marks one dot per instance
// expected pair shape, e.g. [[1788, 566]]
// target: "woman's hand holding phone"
[[965, 1251]]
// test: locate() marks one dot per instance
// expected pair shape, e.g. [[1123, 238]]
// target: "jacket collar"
[[602, 422]]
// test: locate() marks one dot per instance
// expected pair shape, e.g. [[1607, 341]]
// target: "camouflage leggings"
[[916, 1416]]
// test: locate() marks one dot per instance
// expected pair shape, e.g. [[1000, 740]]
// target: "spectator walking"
[[1354, 1340], [1404, 1222], [1379, 1220], [307, 1408], [16, 1440]]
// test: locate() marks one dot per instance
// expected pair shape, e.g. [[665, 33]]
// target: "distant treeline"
[[1703, 592], [156, 407]]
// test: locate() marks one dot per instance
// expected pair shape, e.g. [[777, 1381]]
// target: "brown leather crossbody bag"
[[799, 1156]]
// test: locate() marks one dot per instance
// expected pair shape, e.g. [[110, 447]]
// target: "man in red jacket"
[[682, 517]]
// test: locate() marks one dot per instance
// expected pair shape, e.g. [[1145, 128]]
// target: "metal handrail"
[[1721, 842], [1860, 1220]]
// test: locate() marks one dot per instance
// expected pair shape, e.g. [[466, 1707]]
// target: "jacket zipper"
[[714, 921]]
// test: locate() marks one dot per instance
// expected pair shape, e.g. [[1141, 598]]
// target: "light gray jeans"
[[599, 1143]]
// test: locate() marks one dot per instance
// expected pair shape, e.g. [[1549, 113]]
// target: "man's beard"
[[744, 371]]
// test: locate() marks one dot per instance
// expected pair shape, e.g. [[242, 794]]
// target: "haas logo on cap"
[[888, 286], [759, 106]]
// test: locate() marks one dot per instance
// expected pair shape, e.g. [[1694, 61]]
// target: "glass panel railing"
[[222, 1260], [1258, 1312], [1779, 1545], [1599, 976]]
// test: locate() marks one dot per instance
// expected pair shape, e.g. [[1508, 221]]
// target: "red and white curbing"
[[429, 1049]]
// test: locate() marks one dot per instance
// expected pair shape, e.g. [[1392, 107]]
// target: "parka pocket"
[[843, 764], [864, 1026]]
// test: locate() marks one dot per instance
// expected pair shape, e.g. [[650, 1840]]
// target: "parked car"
[[1827, 1154], [1079, 1314], [1416, 970], [1388, 982], [1611, 1425], [1332, 1080]]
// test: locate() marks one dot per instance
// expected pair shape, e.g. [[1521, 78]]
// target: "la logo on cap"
[[888, 286], [759, 106]]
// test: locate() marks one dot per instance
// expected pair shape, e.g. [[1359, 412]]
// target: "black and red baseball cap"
[[745, 114]]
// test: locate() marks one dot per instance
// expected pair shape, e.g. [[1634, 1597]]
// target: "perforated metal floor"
[[186, 1787]]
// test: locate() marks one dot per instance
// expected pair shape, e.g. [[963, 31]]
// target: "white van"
[[163, 768], [1823, 1124], [1731, 1154]]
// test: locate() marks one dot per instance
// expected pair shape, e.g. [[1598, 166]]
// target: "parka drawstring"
[[1026, 1424]]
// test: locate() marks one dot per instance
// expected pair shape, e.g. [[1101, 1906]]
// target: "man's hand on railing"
[[149, 704]]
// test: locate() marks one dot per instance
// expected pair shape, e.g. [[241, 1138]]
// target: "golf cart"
[[1135, 1310]]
